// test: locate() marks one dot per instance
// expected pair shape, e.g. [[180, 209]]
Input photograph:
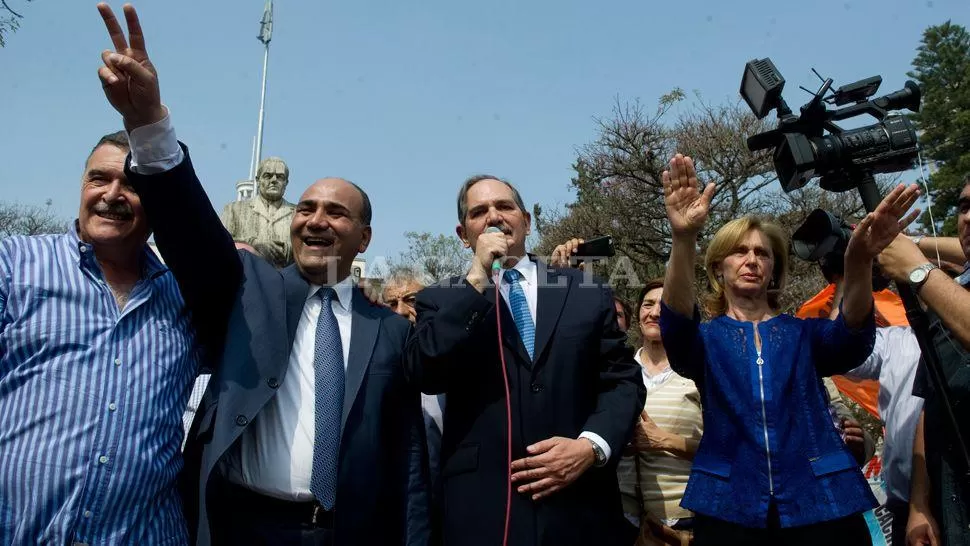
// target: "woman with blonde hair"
[[770, 468]]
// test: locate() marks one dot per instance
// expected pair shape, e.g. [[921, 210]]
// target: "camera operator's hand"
[[128, 77], [562, 254], [687, 207], [900, 258], [878, 229]]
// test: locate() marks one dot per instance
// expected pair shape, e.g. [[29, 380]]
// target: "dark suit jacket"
[[248, 312], [583, 378]]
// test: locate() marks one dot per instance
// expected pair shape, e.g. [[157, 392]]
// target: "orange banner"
[[865, 393]]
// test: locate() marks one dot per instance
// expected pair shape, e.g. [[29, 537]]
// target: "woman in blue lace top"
[[771, 468]]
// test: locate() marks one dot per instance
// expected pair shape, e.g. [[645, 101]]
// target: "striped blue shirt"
[[91, 398]]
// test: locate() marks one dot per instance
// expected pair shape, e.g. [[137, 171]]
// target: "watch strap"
[[597, 452], [928, 267]]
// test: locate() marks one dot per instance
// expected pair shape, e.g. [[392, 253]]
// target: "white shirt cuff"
[[154, 148], [598, 440]]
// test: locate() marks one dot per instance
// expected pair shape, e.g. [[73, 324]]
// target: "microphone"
[[497, 263], [496, 268]]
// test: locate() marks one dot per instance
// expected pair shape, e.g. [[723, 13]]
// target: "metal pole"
[[252, 162], [262, 103]]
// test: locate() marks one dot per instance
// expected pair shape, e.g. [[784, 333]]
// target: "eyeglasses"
[[407, 299]]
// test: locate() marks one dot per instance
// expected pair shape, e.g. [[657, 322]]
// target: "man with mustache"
[[96, 363], [309, 432], [575, 390]]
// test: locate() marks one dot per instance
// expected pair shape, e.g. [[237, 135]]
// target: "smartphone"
[[595, 249]]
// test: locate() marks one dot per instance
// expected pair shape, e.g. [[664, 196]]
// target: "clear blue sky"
[[409, 98]]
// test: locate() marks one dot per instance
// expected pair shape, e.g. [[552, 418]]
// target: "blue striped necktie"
[[520, 311], [328, 370]]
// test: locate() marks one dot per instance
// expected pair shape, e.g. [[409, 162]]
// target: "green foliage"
[[942, 68], [436, 257]]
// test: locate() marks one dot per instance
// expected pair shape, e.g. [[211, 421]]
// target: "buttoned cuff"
[[154, 148], [598, 440]]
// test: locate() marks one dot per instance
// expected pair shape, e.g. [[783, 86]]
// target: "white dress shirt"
[[195, 399], [154, 148], [893, 363], [530, 286], [432, 408], [275, 455]]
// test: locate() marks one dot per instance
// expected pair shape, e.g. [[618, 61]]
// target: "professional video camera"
[[822, 238], [844, 159]]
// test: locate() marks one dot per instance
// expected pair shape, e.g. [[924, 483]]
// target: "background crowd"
[[219, 392]]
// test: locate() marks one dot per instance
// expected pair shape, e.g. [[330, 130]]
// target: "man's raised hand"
[[128, 77]]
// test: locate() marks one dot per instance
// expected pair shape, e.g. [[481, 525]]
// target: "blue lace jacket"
[[768, 435]]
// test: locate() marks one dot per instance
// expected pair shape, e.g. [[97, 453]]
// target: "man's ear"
[[364, 240], [460, 231]]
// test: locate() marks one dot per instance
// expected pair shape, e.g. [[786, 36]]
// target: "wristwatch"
[[918, 276], [598, 452]]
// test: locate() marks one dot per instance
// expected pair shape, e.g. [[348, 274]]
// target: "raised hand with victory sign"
[[128, 77]]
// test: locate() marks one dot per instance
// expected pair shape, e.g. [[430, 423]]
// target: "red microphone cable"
[[496, 269]]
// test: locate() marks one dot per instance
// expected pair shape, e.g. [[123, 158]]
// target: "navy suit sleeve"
[[683, 342], [838, 348], [419, 482], [621, 391], [194, 244], [448, 320]]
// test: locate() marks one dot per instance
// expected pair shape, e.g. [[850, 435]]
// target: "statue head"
[[272, 175]]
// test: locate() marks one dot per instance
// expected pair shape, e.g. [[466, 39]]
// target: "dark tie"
[[520, 311], [328, 369]]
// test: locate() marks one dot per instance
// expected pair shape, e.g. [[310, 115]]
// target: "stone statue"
[[264, 220]]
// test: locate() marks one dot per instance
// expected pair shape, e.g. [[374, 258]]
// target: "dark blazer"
[[583, 378], [248, 313]]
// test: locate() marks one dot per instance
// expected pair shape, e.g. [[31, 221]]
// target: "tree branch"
[[3, 3]]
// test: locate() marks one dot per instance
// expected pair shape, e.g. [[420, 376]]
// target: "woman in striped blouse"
[[653, 474]]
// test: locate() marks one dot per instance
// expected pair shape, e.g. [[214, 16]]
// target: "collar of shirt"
[[525, 266], [343, 289], [151, 265], [651, 381]]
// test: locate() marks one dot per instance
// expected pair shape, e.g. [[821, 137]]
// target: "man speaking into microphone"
[[575, 391]]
